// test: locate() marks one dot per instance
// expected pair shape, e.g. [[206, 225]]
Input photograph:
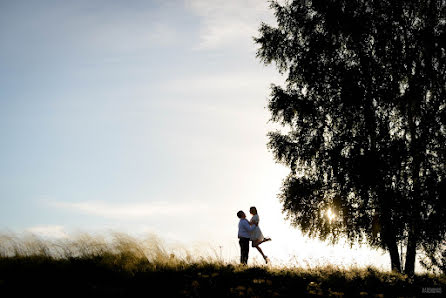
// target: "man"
[[244, 234]]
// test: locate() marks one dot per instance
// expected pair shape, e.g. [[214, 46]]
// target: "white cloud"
[[131, 210], [228, 21], [53, 231], [235, 82]]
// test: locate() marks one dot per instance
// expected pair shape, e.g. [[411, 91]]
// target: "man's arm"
[[247, 227]]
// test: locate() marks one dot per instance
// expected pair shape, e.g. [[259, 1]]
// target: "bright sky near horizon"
[[143, 117]]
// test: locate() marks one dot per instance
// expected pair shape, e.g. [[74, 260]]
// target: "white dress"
[[256, 234]]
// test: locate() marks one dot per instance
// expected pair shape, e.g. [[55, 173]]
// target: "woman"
[[256, 235]]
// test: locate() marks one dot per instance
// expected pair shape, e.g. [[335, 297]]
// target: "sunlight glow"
[[330, 214]]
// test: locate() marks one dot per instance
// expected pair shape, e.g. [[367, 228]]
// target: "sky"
[[144, 117]]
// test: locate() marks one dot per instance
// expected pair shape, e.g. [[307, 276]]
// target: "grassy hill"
[[125, 267]]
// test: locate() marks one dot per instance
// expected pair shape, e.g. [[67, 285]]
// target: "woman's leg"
[[260, 251], [256, 245], [264, 240]]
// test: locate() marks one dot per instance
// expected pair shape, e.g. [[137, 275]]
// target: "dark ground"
[[108, 277]]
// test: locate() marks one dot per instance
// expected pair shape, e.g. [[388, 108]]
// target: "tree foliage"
[[364, 117], [434, 258]]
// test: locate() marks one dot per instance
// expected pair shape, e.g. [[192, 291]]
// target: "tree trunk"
[[409, 267], [391, 245], [394, 256]]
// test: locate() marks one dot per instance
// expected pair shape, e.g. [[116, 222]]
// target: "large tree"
[[364, 113]]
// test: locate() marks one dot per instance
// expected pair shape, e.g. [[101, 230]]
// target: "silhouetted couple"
[[250, 231]]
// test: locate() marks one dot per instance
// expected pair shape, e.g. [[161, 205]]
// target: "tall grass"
[[118, 265], [117, 249]]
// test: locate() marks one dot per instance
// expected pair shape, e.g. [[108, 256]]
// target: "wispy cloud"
[[131, 210], [53, 231], [228, 22], [224, 84]]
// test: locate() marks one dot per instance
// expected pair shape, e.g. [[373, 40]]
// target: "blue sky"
[[142, 117]]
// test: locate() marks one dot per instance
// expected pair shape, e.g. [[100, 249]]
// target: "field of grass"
[[121, 266]]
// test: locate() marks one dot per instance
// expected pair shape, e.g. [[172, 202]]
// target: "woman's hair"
[[253, 210]]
